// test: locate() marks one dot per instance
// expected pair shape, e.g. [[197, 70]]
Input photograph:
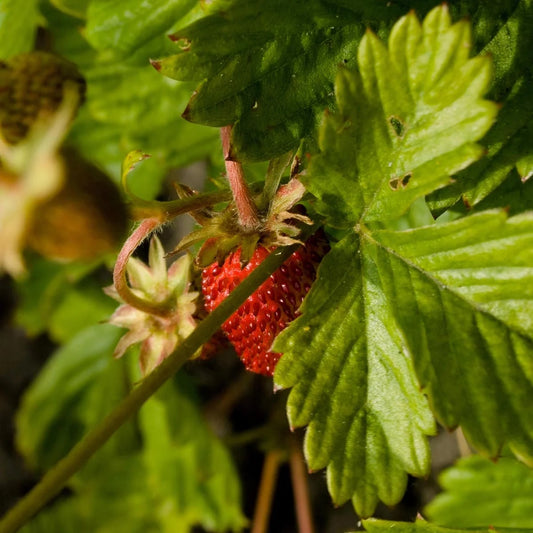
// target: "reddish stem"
[[120, 281], [246, 208], [300, 489], [266, 491]]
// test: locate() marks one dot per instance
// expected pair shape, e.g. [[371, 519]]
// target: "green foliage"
[[124, 26], [410, 321], [268, 67], [68, 396], [353, 383], [508, 142], [18, 22], [162, 472], [450, 297], [129, 105], [500, 494], [420, 526], [396, 135], [60, 299]]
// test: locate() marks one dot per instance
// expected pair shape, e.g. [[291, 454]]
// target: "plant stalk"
[[56, 478], [299, 474], [246, 208], [269, 477], [168, 210]]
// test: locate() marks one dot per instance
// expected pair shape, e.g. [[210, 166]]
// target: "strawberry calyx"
[[266, 219]]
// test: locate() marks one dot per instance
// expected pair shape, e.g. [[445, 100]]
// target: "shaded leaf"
[[354, 385], [268, 67], [165, 471], [77, 386], [481, 493], [406, 121], [114, 499], [43, 291], [509, 140], [462, 295]]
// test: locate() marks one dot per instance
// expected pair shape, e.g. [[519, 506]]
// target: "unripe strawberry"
[[84, 220], [30, 85], [254, 326]]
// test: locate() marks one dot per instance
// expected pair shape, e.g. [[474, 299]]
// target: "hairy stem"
[[166, 211], [246, 208], [299, 487], [56, 478], [119, 273], [263, 504]]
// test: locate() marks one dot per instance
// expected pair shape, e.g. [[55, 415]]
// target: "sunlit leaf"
[[407, 120], [481, 493]]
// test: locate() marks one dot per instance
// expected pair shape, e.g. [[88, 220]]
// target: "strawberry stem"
[[166, 211], [246, 208], [299, 487], [56, 478], [119, 273], [263, 504]]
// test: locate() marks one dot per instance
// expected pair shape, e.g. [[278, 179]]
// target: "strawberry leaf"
[[454, 301], [480, 493], [123, 26], [190, 474], [509, 140], [353, 383], [421, 526], [406, 121], [268, 67], [462, 295]]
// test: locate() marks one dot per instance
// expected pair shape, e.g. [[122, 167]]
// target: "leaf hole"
[[398, 126], [401, 182]]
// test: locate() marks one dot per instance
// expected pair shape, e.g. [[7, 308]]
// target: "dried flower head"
[[158, 335]]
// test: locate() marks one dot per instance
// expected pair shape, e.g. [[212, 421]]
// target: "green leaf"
[[509, 140], [420, 526], [462, 293], [129, 106], [406, 121], [190, 474], [44, 291], [268, 67], [513, 194], [354, 384], [77, 386], [76, 8], [481, 493], [18, 24], [114, 499], [525, 166], [123, 26]]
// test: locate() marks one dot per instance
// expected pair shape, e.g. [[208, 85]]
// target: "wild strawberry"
[[254, 326]]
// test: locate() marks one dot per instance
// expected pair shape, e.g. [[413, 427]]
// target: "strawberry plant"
[[363, 239]]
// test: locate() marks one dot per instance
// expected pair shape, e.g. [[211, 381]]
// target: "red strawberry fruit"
[[254, 326]]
